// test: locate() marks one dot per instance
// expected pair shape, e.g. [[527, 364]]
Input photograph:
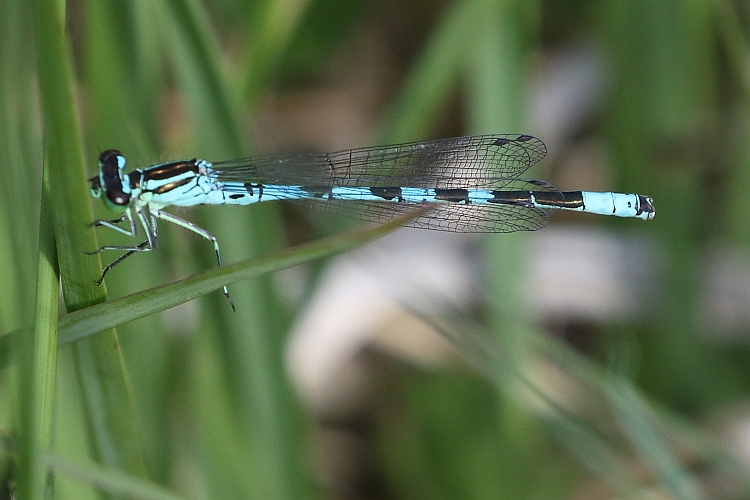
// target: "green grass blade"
[[273, 27], [122, 71], [640, 426], [194, 50], [729, 27], [20, 148], [112, 481], [249, 343], [71, 208], [433, 77], [86, 322], [107, 397], [39, 366]]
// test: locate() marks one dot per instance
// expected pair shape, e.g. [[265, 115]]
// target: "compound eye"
[[118, 198], [112, 157]]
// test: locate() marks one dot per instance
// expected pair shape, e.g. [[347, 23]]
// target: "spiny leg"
[[200, 231], [149, 226], [112, 224], [120, 259]]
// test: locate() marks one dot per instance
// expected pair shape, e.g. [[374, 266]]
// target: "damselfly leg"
[[148, 221], [199, 231], [118, 260]]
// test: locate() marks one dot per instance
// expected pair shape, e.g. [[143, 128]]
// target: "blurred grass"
[[207, 409]]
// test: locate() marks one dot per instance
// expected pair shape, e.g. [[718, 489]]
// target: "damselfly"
[[471, 185]]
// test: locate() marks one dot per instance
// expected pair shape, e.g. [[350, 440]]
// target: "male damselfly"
[[470, 183]]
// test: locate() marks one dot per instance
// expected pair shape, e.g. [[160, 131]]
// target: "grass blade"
[[109, 480], [40, 363], [107, 398], [86, 322]]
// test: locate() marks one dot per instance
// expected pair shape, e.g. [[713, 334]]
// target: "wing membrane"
[[486, 161], [452, 217], [472, 218]]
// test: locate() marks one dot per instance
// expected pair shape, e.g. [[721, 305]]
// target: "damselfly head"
[[112, 184]]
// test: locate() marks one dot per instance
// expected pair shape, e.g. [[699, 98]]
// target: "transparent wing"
[[483, 161], [456, 218], [451, 217]]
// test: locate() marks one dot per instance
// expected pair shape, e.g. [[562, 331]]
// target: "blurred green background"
[[196, 402]]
